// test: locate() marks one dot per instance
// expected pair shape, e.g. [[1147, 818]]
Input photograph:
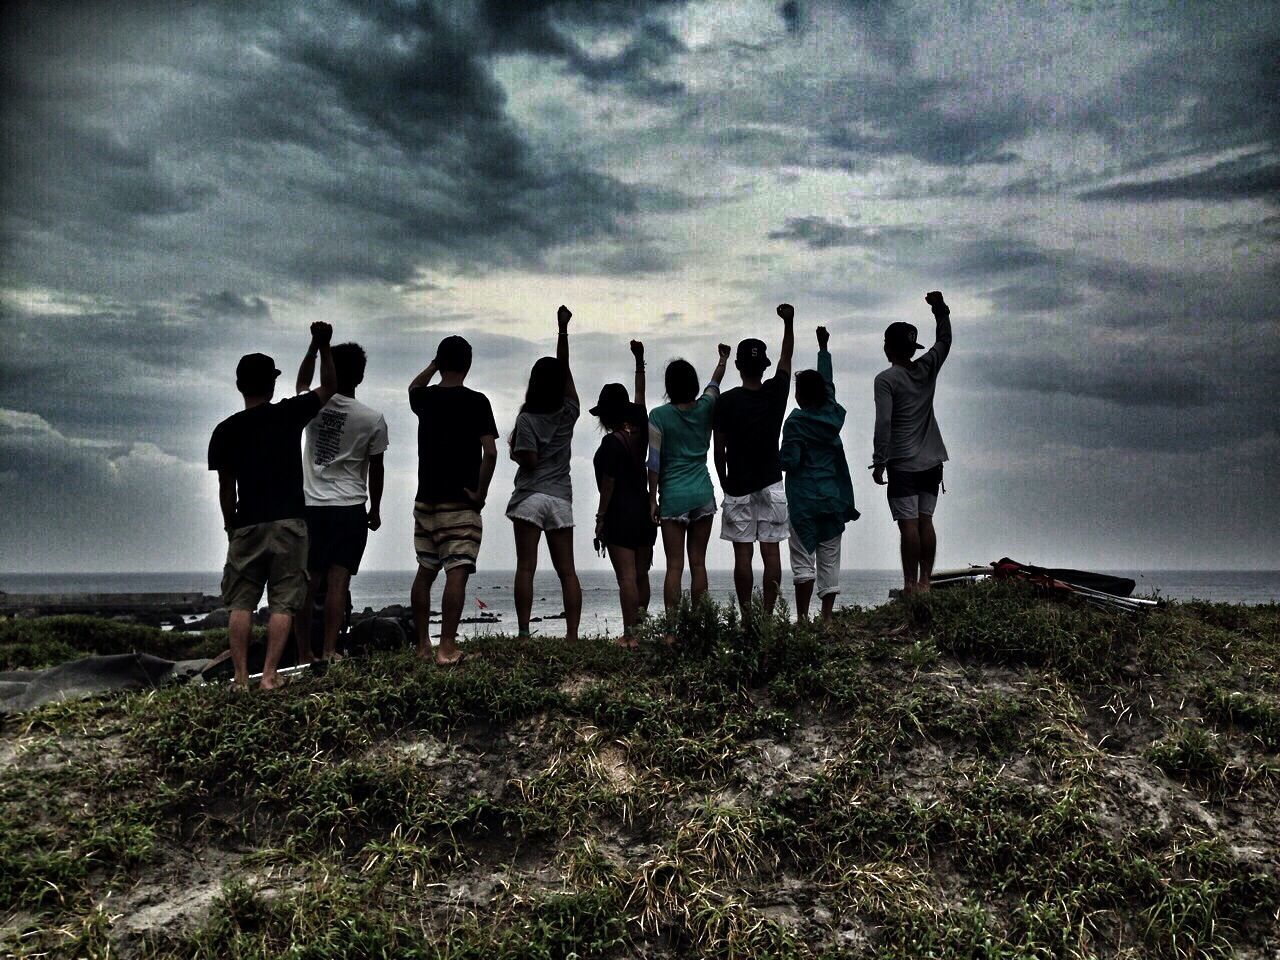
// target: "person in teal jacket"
[[819, 489]]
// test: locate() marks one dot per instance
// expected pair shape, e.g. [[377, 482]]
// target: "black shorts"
[[338, 537], [912, 483]]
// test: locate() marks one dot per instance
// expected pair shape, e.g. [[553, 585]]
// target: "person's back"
[[451, 422], [550, 436], [910, 439], [683, 478], [819, 488], [339, 444], [908, 444], [257, 455], [342, 472], [262, 447], [457, 452]]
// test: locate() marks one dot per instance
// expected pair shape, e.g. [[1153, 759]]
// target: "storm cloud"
[[1093, 186]]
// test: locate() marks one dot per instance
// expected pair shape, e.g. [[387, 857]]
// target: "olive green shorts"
[[271, 555]]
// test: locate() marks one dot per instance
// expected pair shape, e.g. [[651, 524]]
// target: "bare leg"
[[928, 548], [278, 629], [239, 626], [302, 621], [455, 595], [673, 544], [771, 554], [527, 539], [560, 545], [804, 594], [743, 580], [910, 530], [699, 537], [335, 608], [420, 598], [624, 568], [643, 561], [828, 606]]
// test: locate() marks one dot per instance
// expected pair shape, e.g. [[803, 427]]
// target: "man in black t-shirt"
[[457, 452], [748, 420], [258, 455]]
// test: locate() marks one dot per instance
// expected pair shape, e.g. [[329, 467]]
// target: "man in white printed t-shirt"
[[341, 468]]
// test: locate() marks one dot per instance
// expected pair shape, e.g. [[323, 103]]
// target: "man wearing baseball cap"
[[748, 421], [257, 454], [908, 443]]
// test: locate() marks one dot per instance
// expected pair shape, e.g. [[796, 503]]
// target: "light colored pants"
[[822, 565]]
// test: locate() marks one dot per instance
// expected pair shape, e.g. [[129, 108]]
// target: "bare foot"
[[424, 652], [459, 657], [922, 586], [274, 682]]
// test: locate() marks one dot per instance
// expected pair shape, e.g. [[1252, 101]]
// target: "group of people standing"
[[298, 514]]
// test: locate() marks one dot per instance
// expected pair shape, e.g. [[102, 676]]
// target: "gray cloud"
[[1254, 176]]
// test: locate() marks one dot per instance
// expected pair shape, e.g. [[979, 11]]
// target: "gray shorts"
[[913, 494]]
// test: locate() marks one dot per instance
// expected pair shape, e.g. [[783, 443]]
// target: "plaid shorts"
[[446, 535]]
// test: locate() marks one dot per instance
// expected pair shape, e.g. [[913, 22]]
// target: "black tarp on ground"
[[24, 689]]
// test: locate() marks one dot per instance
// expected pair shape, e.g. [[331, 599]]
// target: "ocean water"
[[600, 611]]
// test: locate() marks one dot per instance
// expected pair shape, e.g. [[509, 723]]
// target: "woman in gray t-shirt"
[[542, 503]]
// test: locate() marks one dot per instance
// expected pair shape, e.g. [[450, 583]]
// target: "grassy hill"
[[974, 774]]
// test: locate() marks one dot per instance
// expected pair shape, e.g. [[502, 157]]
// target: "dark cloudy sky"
[[1094, 185]]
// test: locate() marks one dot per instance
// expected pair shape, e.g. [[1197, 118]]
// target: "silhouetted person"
[[341, 470], [747, 423], [681, 498], [819, 489], [457, 451], [624, 525], [908, 442], [258, 455], [542, 502]]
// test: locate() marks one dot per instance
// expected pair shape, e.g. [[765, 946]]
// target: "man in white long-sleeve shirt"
[[908, 443]]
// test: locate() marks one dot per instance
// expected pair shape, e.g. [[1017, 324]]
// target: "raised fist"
[[934, 299], [321, 332], [823, 337], [637, 349], [787, 312], [724, 351], [563, 315]]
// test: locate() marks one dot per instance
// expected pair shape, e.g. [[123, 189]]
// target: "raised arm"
[[637, 351], [306, 369], [936, 355], [788, 315], [424, 378], [562, 351], [718, 374], [321, 335], [824, 362]]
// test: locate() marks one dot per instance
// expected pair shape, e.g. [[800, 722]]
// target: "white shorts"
[[544, 511], [913, 507], [757, 517], [823, 565]]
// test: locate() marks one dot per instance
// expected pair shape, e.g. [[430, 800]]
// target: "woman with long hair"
[[624, 526], [681, 499], [542, 503]]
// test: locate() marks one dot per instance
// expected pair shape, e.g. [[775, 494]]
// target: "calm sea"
[[600, 613]]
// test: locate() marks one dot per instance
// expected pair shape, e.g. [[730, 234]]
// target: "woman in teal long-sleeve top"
[[819, 489]]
